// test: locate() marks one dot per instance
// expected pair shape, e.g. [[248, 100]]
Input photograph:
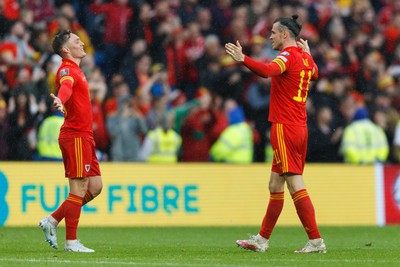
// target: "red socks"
[[304, 208], [274, 209], [72, 214], [87, 198], [306, 213], [59, 214], [70, 209]]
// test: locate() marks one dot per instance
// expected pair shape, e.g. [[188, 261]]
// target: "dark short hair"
[[59, 40], [291, 24]]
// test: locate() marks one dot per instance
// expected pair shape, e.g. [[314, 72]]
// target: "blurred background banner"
[[200, 194]]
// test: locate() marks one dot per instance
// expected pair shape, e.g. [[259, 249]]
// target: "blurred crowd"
[[164, 90]]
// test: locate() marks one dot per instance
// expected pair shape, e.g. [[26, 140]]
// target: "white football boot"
[[77, 246], [255, 243], [50, 231], [313, 246]]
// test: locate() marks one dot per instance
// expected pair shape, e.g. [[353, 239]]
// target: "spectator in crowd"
[[364, 142], [180, 111], [159, 106], [238, 28], [117, 16], [373, 66], [323, 139], [138, 74], [256, 98], [51, 67], [192, 50], [4, 130], [257, 104], [41, 44], [210, 69], [48, 132], [22, 135], [11, 11], [235, 144], [384, 114], [396, 143], [201, 128], [139, 25], [98, 91], [42, 10], [126, 129], [204, 19], [153, 96], [16, 52], [188, 11], [119, 89], [161, 144], [66, 20], [232, 80], [167, 32], [258, 17], [222, 12]]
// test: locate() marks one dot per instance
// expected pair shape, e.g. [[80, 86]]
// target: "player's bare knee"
[[95, 187], [97, 191], [275, 187]]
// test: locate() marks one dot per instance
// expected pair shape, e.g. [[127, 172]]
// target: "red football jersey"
[[78, 110], [291, 72]]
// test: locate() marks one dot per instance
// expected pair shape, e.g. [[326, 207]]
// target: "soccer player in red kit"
[[76, 142], [291, 72]]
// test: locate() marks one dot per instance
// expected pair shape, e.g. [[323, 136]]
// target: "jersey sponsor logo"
[[64, 72], [283, 58], [285, 53], [87, 167]]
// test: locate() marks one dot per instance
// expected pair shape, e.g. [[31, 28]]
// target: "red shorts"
[[79, 156], [289, 144]]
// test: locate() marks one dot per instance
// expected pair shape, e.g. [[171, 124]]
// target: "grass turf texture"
[[201, 246]]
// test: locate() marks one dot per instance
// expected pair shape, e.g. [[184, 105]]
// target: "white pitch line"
[[130, 263], [312, 260], [119, 263]]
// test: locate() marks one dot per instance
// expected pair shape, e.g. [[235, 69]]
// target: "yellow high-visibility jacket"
[[235, 145], [165, 146], [48, 134], [364, 142]]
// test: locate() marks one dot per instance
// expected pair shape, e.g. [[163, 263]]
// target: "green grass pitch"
[[201, 246]]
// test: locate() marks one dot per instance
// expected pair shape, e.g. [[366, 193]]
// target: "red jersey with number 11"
[[291, 72], [78, 110]]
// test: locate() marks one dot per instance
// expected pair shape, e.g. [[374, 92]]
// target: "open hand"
[[57, 103], [235, 51], [303, 44]]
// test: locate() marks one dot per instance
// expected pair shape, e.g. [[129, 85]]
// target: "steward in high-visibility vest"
[[165, 145], [235, 144], [363, 141], [49, 130]]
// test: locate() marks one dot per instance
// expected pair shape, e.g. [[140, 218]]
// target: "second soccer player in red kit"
[[291, 72], [76, 142]]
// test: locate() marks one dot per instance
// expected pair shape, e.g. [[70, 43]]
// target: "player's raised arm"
[[260, 68]]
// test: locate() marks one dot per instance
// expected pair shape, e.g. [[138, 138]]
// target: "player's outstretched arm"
[[57, 103], [235, 51]]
